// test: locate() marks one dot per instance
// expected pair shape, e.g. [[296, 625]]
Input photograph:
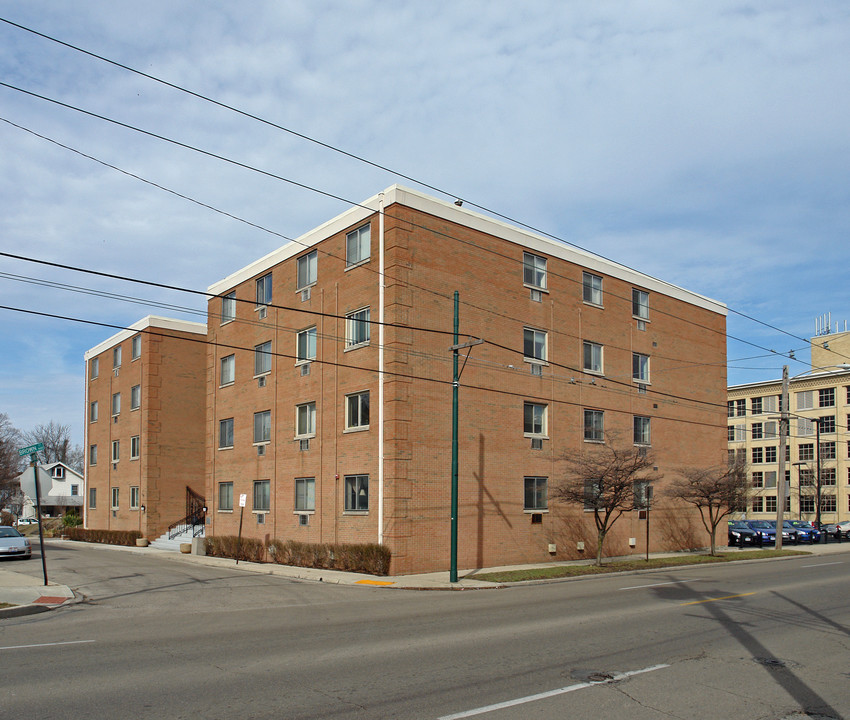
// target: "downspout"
[[86, 421], [381, 286]]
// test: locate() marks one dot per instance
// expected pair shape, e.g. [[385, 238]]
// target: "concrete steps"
[[173, 545]]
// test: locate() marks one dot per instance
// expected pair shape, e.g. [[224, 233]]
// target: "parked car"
[[843, 529], [740, 533], [765, 532], [789, 532], [27, 521], [807, 532], [13, 544]]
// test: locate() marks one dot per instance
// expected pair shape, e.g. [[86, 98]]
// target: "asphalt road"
[[166, 639]]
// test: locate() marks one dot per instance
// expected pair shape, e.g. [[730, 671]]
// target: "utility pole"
[[817, 479], [783, 443]]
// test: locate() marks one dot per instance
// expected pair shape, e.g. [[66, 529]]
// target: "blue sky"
[[705, 143]]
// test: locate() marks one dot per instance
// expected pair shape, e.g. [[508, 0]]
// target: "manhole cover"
[[771, 662], [599, 677]]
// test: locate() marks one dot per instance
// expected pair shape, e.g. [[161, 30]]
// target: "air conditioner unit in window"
[[262, 311], [536, 296], [261, 381], [305, 369], [536, 369], [304, 445], [642, 451], [261, 449], [115, 371], [536, 443], [303, 519], [641, 324], [261, 519], [305, 294]]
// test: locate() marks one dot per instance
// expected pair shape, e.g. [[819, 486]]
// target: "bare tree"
[[56, 439], [609, 480], [10, 462], [716, 492]]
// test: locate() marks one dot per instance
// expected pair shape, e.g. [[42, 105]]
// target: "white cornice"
[[154, 321]]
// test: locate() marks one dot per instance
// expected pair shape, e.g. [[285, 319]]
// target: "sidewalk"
[[28, 594]]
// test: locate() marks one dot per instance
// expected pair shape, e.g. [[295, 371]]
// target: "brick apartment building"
[[329, 388], [144, 439]]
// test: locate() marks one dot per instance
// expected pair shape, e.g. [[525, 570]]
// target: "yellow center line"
[[727, 597]]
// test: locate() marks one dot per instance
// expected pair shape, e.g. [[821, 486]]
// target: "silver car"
[[13, 544]]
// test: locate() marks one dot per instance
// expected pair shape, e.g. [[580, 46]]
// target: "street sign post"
[[32, 451], [243, 501]]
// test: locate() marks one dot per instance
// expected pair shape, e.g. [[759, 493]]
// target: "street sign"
[[243, 500], [31, 450]]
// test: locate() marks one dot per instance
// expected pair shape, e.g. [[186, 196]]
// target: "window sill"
[[262, 374], [536, 361], [298, 438], [260, 512], [226, 447], [357, 264], [226, 322], [595, 373], [305, 361], [361, 428], [261, 442], [593, 304], [306, 287], [592, 440], [539, 511], [535, 436], [637, 381], [304, 512], [228, 512], [227, 384], [638, 317], [535, 287], [356, 347], [355, 512]]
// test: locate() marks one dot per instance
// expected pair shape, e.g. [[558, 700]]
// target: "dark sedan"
[[807, 532], [740, 534]]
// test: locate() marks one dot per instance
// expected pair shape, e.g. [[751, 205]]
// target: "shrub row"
[[109, 537], [365, 558], [230, 546]]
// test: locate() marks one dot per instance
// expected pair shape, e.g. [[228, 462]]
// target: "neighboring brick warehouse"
[[145, 394], [337, 428]]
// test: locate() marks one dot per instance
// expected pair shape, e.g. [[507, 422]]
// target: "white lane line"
[[53, 644], [547, 694], [822, 564], [675, 582]]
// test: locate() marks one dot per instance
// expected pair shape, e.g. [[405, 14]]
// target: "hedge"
[[230, 546], [109, 537], [364, 558]]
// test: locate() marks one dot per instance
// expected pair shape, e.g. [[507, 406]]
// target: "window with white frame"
[[534, 344], [115, 498], [263, 426], [805, 427], [305, 494], [757, 431], [228, 307], [827, 451], [826, 397], [264, 290], [357, 411], [534, 271], [755, 406], [225, 495], [758, 479], [807, 504], [135, 447], [771, 430], [591, 288], [305, 420], [535, 493], [827, 476], [805, 400], [641, 430], [116, 403], [640, 368], [116, 450], [93, 411], [262, 496], [535, 420], [136, 347], [227, 373], [807, 477], [594, 425], [135, 496], [135, 397], [92, 454], [225, 433], [94, 368], [357, 245], [308, 270], [640, 304], [92, 498], [263, 358], [357, 328], [356, 493], [770, 503], [806, 452], [642, 491], [757, 455], [736, 408], [305, 349], [827, 503], [770, 454], [758, 504], [592, 357], [116, 357], [827, 424]]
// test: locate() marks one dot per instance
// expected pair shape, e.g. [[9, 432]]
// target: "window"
[[534, 344], [261, 495], [262, 426], [758, 504], [827, 503], [641, 428], [263, 358], [805, 400], [308, 266], [92, 454], [758, 479], [594, 428], [758, 455], [116, 357], [847, 388], [736, 408], [770, 479], [228, 370], [225, 496], [535, 493], [264, 290], [116, 450], [827, 451], [770, 454], [136, 347], [93, 411], [770, 404], [306, 345], [642, 491], [357, 328], [827, 476], [116, 403], [115, 498], [94, 368], [357, 493], [357, 245], [807, 504], [592, 494], [134, 497], [826, 397], [827, 424], [640, 304], [135, 397], [135, 447], [534, 271], [305, 494], [805, 427], [592, 357], [92, 498], [806, 451], [771, 430], [755, 406], [225, 433], [357, 411], [640, 368], [58, 472], [534, 424], [770, 504], [305, 420], [228, 307], [591, 288], [757, 431]]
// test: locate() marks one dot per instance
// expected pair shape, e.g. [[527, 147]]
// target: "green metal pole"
[[455, 382]]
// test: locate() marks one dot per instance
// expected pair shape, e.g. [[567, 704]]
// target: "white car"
[[13, 544], [27, 521]]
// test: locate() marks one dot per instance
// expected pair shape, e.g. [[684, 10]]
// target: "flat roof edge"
[[146, 322]]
